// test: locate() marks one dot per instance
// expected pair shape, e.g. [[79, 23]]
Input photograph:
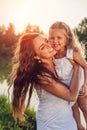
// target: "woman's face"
[[58, 39], [43, 48]]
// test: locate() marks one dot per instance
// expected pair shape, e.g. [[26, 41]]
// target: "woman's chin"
[[54, 53]]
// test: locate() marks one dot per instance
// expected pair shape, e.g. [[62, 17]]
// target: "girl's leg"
[[76, 114], [82, 102]]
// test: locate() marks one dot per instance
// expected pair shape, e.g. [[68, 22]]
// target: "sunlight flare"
[[21, 19]]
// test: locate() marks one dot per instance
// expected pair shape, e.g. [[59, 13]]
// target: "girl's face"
[[43, 48], [58, 39]]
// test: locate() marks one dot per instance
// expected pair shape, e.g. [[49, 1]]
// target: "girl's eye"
[[58, 37], [51, 39]]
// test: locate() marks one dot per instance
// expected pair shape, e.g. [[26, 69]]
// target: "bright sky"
[[42, 12]]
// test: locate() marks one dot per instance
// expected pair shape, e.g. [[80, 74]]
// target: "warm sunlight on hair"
[[21, 18]]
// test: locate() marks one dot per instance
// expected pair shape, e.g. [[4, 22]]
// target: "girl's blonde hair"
[[73, 41]]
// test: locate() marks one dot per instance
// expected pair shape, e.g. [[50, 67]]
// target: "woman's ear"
[[36, 57]]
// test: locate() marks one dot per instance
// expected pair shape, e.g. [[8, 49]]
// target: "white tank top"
[[64, 69]]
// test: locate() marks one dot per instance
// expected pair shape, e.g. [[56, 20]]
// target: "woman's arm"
[[60, 90]]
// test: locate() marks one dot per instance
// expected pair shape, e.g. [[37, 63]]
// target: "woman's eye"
[[42, 47], [46, 40]]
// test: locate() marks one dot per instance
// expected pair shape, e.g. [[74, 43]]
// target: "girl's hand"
[[75, 64]]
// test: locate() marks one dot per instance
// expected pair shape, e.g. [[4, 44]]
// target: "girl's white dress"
[[55, 113], [64, 69]]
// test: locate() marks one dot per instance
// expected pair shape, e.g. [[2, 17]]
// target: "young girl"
[[63, 41]]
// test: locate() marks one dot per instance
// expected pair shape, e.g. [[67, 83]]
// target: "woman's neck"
[[48, 63]]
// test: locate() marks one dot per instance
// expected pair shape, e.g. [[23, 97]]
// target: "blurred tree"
[[81, 32], [10, 37], [8, 40], [33, 28], [2, 30]]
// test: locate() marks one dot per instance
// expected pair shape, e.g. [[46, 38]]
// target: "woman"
[[35, 69]]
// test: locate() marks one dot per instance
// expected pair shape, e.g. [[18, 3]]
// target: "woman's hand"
[[83, 90]]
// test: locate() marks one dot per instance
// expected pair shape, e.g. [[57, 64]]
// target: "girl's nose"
[[56, 40]]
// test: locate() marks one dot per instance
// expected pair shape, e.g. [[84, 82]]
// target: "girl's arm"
[[82, 62], [60, 90]]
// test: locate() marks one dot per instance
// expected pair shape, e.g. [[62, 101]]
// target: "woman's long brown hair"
[[22, 71]]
